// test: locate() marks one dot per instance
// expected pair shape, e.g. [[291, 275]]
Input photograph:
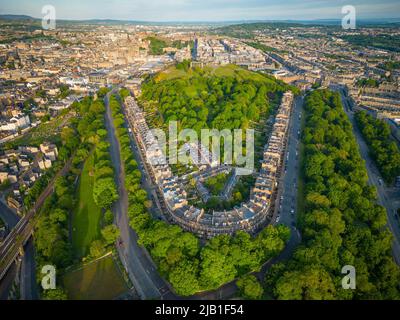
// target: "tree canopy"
[[227, 97], [382, 147], [342, 224], [180, 258]]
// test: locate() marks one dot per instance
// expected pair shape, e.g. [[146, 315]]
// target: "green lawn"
[[87, 215], [220, 71], [171, 73], [98, 280]]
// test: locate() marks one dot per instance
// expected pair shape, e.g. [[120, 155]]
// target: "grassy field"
[[220, 71], [98, 280], [87, 215], [171, 73]]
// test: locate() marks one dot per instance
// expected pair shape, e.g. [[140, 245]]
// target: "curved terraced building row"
[[250, 216]]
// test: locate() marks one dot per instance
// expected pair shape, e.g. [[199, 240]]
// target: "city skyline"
[[195, 11]]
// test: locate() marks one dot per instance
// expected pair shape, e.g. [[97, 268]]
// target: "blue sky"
[[203, 10]]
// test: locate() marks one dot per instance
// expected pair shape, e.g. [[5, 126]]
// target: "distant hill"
[[12, 17], [15, 17], [320, 22]]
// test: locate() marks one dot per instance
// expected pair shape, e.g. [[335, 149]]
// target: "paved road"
[[287, 196], [387, 197], [28, 287], [135, 259], [224, 292], [229, 290]]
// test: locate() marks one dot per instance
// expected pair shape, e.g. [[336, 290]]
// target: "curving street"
[[136, 259], [141, 269]]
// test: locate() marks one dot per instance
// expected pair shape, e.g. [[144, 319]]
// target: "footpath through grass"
[[98, 280], [87, 215]]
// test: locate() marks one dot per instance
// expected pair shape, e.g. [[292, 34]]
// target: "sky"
[[203, 10]]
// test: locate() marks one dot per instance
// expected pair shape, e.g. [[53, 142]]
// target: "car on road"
[[292, 211], [277, 219], [380, 181]]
